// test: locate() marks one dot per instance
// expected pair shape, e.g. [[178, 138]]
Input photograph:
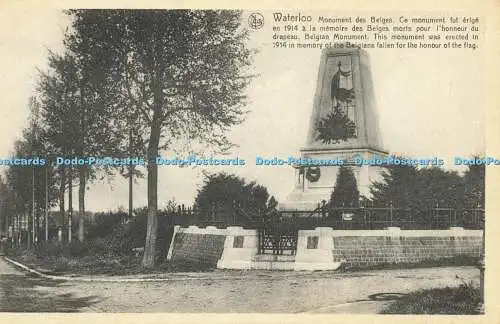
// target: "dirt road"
[[226, 291]]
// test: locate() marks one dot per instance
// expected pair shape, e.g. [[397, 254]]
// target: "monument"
[[343, 126]]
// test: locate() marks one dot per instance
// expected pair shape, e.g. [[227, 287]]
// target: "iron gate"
[[277, 235]]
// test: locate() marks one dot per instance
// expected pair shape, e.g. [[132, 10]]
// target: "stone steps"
[[273, 262], [274, 258]]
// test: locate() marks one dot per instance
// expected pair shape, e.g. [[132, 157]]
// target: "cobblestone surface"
[[227, 291]]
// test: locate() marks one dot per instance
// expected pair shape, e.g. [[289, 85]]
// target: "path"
[[226, 291]]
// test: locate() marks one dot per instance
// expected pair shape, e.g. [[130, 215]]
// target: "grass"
[[109, 264], [462, 300], [459, 260], [62, 265]]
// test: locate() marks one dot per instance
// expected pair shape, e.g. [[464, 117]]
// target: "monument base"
[[308, 195], [343, 124]]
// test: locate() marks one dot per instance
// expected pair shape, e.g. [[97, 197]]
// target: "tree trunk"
[[31, 238], [130, 175], [46, 209], [130, 192], [37, 224], [81, 204], [62, 193], [70, 204], [81, 169], [150, 246]]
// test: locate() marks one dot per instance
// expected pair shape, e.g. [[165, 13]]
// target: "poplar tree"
[[184, 73], [78, 114]]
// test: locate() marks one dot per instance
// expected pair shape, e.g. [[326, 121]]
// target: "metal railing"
[[338, 218]]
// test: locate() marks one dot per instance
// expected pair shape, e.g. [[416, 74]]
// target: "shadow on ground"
[[28, 293]]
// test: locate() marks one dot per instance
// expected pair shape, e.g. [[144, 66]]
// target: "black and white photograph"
[[230, 161]]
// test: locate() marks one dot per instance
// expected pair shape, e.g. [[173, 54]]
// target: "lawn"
[[462, 300]]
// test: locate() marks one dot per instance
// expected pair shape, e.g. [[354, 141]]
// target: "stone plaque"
[[312, 242], [238, 242]]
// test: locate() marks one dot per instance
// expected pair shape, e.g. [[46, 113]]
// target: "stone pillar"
[[315, 250], [240, 247], [351, 68]]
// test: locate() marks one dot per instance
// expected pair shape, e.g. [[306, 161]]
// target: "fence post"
[[364, 215]]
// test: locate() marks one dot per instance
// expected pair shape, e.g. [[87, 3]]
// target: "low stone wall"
[[356, 248], [196, 248], [319, 249]]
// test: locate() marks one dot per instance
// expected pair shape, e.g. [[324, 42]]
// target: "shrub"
[[51, 248], [78, 248], [105, 223]]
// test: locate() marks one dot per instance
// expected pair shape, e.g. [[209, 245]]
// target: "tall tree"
[[183, 70], [345, 192], [474, 186], [3, 215], [438, 187], [96, 107], [77, 112], [57, 90], [26, 182], [223, 190], [418, 189], [397, 186]]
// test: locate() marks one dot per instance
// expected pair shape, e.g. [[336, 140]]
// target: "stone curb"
[[101, 279]]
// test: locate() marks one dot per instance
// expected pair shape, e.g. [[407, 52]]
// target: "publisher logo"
[[256, 20]]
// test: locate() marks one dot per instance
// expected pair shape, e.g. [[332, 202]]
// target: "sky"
[[429, 104]]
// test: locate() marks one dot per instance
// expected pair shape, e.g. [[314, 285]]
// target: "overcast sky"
[[429, 104]]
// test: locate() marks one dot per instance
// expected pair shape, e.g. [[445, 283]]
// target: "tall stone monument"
[[343, 125]]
